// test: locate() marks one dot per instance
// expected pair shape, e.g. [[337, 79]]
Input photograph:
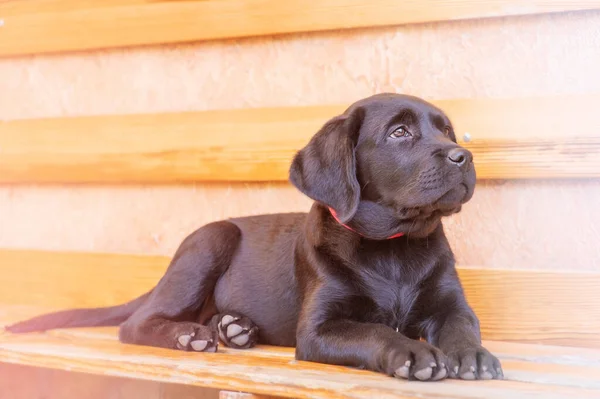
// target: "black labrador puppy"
[[365, 279]]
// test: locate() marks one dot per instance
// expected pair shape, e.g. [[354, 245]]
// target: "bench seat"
[[512, 305], [541, 371]]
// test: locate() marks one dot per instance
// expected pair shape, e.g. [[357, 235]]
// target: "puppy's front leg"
[[375, 347], [450, 324]]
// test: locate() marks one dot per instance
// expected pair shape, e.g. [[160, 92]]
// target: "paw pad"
[[199, 345], [424, 374], [189, 342], [237, 332], [442, 373], [404, 371]]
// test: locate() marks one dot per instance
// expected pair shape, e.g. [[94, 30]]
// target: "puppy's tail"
[[94, 317]]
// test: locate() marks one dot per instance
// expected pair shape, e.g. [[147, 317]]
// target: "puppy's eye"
[[402, 131], [446, 131]]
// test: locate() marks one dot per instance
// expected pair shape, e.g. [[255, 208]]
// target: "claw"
[[199, 345]]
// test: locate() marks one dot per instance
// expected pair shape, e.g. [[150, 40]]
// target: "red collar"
[[334, 214]]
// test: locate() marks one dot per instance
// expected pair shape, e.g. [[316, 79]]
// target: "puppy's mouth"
[[455, 196], [427, 214], [420, 222], [448, 203]]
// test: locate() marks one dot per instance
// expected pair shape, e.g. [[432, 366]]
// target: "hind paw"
[[197, 340], [237, 331]]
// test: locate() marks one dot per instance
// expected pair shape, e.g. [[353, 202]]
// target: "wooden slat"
[[241, 395], [543, 372], [44, 383], [561, 308], [535, 306], [550, 137], [58, 280], [40, 26]]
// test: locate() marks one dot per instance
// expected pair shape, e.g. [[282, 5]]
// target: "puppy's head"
[[390, 162]]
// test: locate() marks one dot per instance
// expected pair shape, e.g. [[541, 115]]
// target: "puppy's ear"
[[325, 170]]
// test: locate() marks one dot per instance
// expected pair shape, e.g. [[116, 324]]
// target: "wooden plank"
[[549, 137], [539, 137], [59, 280], [41, 26], [43, 383], [253, 144], [535, 306], [241, 395], [544, 372], [512, 305], [59, 384]]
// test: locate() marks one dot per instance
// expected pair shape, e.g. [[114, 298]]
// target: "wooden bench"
[[544, 326]]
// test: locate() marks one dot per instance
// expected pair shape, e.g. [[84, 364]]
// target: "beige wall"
[[534, 224]]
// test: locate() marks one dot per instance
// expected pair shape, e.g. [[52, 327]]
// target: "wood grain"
[[44, 383], [41, 26], [548, 137], [561, 308], [534, 306], [241, 395], [58, 280], [544, 372]]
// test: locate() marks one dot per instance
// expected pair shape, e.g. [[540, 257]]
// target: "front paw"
[[474, 363], [417, 361]]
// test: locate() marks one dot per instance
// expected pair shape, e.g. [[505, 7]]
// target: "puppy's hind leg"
[[169, 317]]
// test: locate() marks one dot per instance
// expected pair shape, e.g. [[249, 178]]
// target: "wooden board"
[[561, 308], [540, 371], [40, 26], [241, 395], [45, 383], [548, 137]]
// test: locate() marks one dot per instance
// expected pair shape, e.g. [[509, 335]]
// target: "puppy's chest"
[[394, 289]]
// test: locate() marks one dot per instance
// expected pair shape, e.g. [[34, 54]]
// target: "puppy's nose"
[[460, 156]]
